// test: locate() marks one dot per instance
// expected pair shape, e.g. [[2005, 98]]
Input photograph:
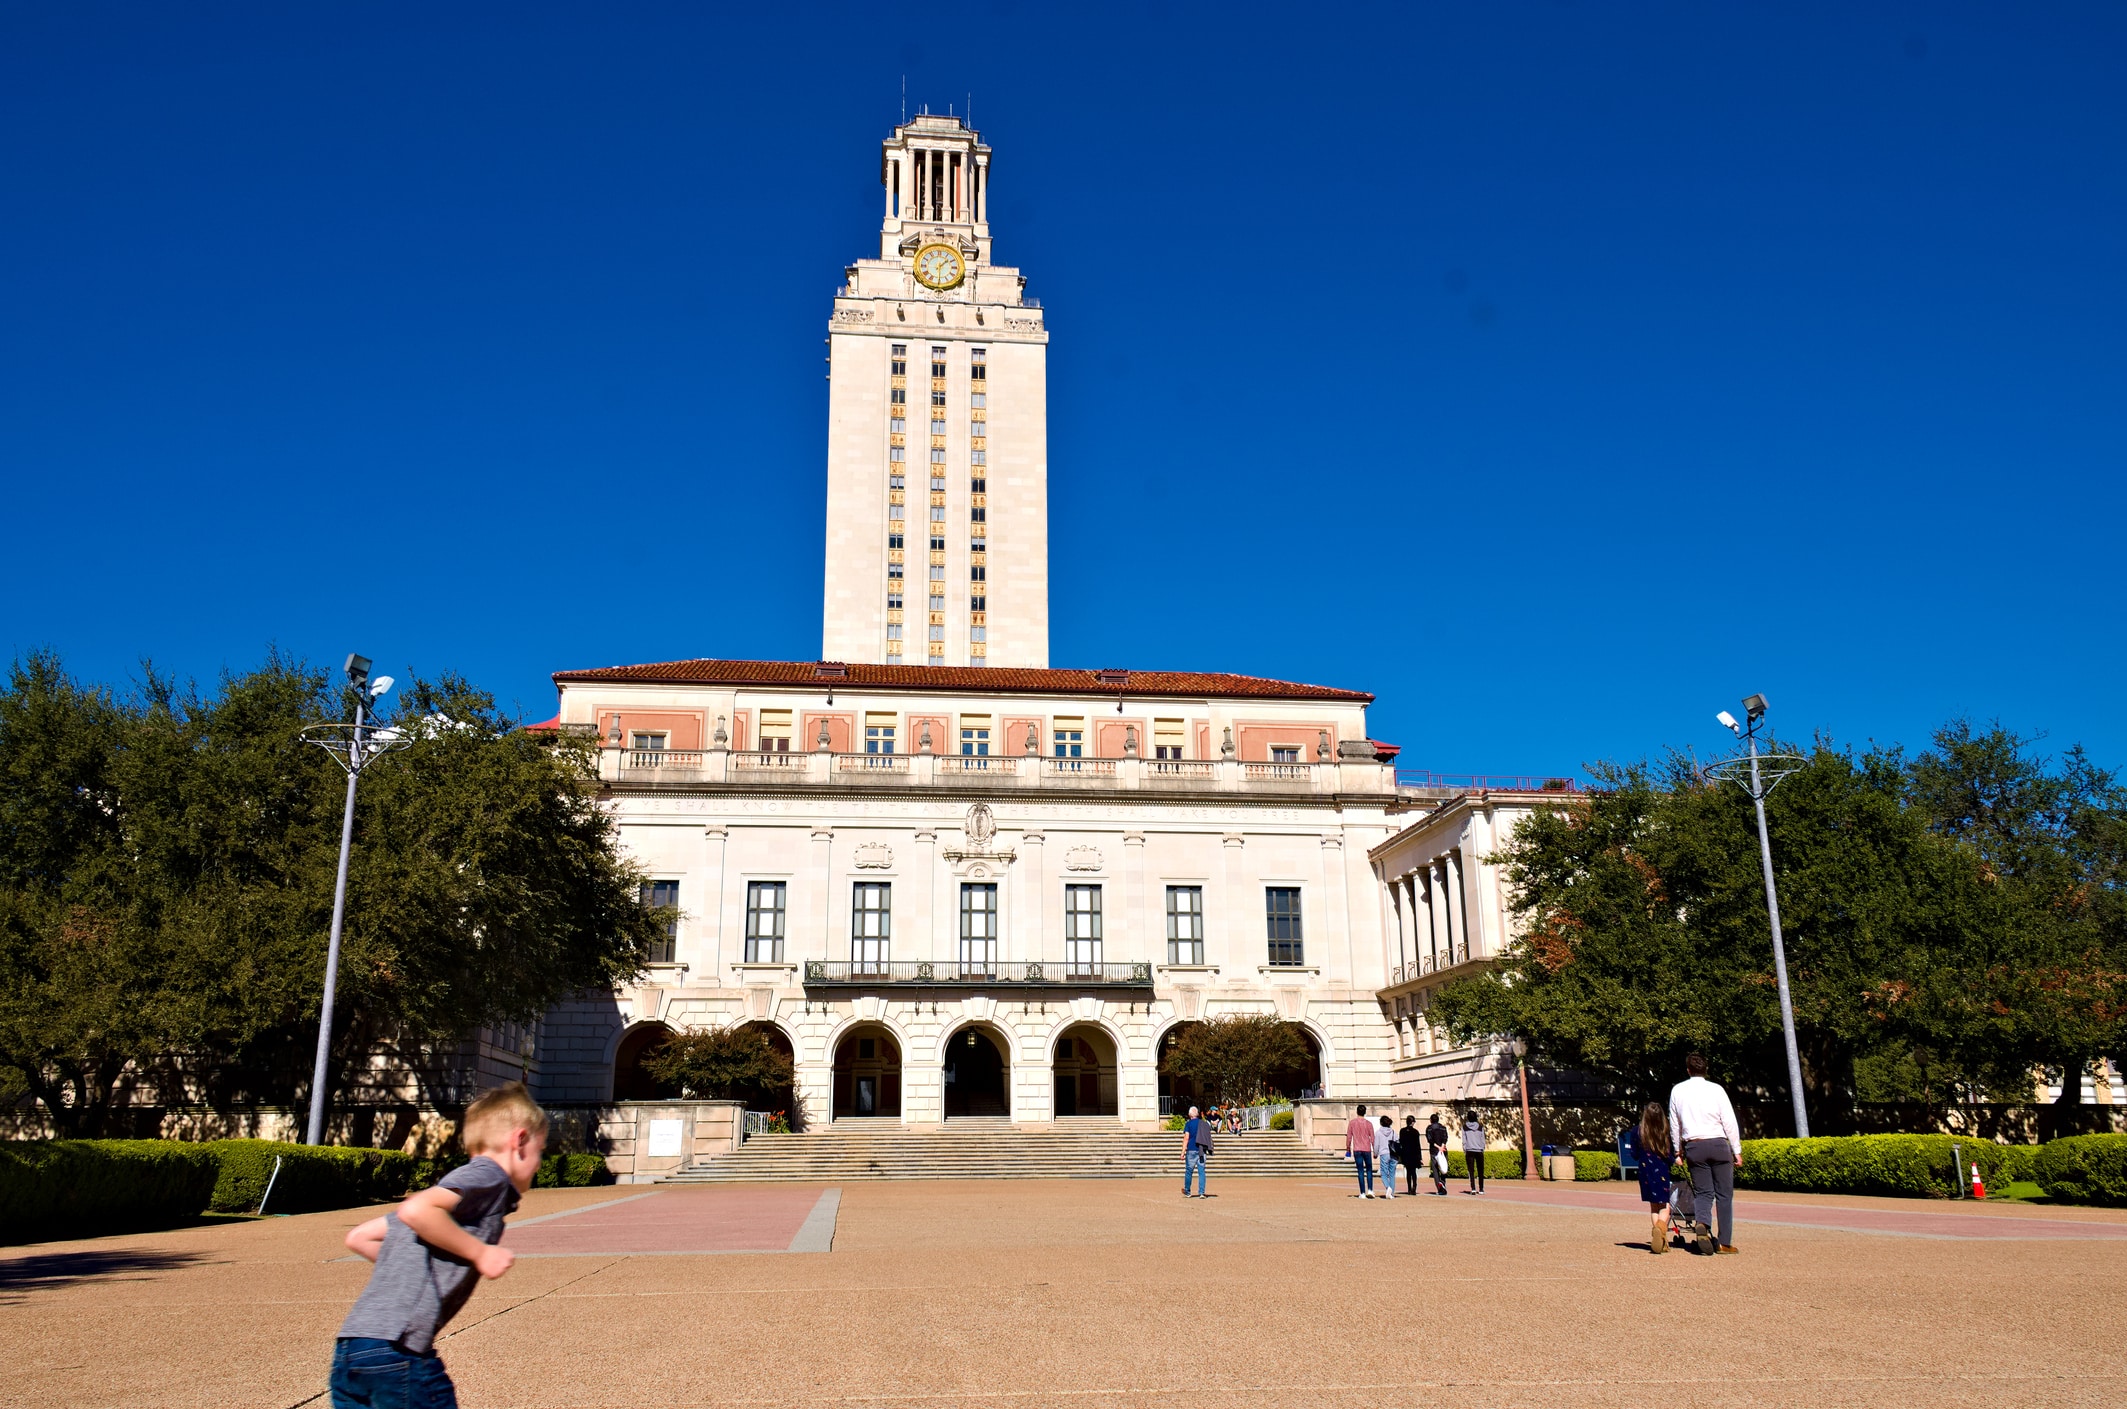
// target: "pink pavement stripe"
[[1970, 1223], [711, 1220]]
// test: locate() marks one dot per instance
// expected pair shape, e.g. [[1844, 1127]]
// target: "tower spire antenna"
[[904, 100]]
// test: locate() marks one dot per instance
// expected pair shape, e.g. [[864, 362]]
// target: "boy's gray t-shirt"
[[415, 1289]]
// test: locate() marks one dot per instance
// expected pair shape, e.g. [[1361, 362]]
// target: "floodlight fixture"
[[1729, 721], [379, 685], [1754, 706], [357, 669]]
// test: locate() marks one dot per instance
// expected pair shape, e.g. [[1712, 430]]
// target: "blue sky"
[[1558, 372]]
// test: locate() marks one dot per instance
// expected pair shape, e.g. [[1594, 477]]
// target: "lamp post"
[[354, 747], [1528, 1127], [1758, 774]]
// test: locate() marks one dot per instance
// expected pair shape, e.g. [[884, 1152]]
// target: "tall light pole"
[[1758, 774], [354, 746]]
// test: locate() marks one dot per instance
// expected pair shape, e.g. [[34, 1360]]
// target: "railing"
[[982, 764], [1195, 768], [743, 761], [1078, 767], [830, 972], [1290, 772], [1483, 782], [1428, 964], [664, 758], [871, 763]]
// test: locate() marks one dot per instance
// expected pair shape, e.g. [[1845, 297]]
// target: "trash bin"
[[1558, 1167]]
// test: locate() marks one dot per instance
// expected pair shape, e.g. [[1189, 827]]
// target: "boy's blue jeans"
[[374, 1374]]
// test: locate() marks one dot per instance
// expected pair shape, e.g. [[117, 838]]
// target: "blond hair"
[[494, 1116]]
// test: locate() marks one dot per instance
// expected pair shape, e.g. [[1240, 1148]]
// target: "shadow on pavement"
[[45, 1271]]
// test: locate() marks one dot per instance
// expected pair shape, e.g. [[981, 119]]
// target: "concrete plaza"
[[1118, 1293]]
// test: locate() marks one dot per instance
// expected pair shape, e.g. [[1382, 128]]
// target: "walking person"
[[1656, 1153], [1359, 1144], [1436, 1146], [1385, 1155], [1703, 1124], [1410, 1151], [1196, 1142], [1473, 1152]]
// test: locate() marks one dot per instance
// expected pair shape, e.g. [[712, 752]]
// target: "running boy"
[[428, 1251]]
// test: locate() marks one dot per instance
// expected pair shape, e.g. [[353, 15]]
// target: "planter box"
[[1559, 1167]]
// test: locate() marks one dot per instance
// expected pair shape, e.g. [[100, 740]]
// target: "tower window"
[[899, 396], [978, 574], [1281, 905], [977, 400], [900, 359], [978, 604], [899, 425], [893, 573], [978, 371], [978, 513], [978, 486], [896, 481], [895, 540], [937, 361], [937, 426], [937, 398], [937, 543]]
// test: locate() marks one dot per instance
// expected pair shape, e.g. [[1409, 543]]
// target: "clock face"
[[939, 267]]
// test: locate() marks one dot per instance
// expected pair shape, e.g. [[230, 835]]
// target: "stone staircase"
[[995, 1149]]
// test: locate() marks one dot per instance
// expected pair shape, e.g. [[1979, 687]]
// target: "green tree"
[[166, 869], [725, 1064], [1234, 1059], [1646, 938]]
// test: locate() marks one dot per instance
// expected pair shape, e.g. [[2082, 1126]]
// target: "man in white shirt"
[[1703, 1124]]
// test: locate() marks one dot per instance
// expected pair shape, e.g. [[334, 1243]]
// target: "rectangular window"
[[764, 922], [937, 361], [978, 604], [978, 429], [900, 359], [896, 512], [937, 426], [663, 898], [1167, 738], [1069, 736], [893, 628], [1082, 931], [1185, 924], [978, 514], [775, 731], [899, 425], [978, 633], [1281, 753], [978, 931], [893, 599], [977, 400], [975, 735], [979, 368], [896, 454], [879, 728], [978, 457], [937, 633], [937, 513], [1281, 905], [893, 572], [937, 454], [900, 395], [978, 574], [938, 569], [937, 601], [871, 924], [646, 741], [937, 398], [978, 485], [895, 540]]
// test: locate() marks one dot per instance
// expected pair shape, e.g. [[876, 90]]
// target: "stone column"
[[982, 190], [926, 874], [1336, 918], [1233, 919], [1137, 935], [712, 924], [1033, 896], [823, 848]]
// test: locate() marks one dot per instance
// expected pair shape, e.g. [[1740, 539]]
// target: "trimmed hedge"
[[571, 1171], [1498, 1164], [53, 1188], [1589, 1165], [1282, 1120], [1910, 1166], [2084, 1169], [312, 1177]]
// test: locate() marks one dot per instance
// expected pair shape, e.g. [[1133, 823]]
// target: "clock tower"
[[937, 428]]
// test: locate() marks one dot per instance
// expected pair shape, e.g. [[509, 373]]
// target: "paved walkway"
[[1118, 1293]]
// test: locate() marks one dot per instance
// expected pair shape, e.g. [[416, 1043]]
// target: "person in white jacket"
[[1385, 1154], [1703, 1123]]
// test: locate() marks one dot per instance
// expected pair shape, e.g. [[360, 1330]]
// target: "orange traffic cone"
[[1979, 1190]]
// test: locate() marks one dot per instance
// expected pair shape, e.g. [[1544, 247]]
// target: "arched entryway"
[[1177, 1093], [867, 1074], [1305, 1079], [631, 1080], [978, 1074], [1085, 1069]]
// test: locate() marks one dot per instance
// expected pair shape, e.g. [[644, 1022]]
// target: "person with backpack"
[[1196, 1143], [1385, 1155], [1473, 1152], [1436, 1142]]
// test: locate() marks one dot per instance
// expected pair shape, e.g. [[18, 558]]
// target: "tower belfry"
[[937, 454]]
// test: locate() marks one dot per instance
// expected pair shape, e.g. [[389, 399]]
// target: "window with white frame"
[[975, 735], [1067, 737], [775, 731], [765, 904], [1167, 738], [871, 927], [1185, 924], [1284, 753], [640, 739], [978, 930], [1081, 931], [879, 728]]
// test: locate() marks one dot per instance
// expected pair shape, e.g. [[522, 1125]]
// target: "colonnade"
[[932, 183]]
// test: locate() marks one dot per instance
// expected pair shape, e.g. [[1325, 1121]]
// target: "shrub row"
[[1498, 1164], [2084, 1169], [1594, 1164], [1911, 1166], [52, 1188]]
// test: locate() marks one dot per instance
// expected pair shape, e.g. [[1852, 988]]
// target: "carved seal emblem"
[[981, 826], [874, 856], [1082, 858]]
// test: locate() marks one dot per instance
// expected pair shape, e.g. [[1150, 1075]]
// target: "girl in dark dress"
[[1656, 1152]]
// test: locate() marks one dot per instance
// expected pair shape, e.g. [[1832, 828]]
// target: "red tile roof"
[[961, 680]]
